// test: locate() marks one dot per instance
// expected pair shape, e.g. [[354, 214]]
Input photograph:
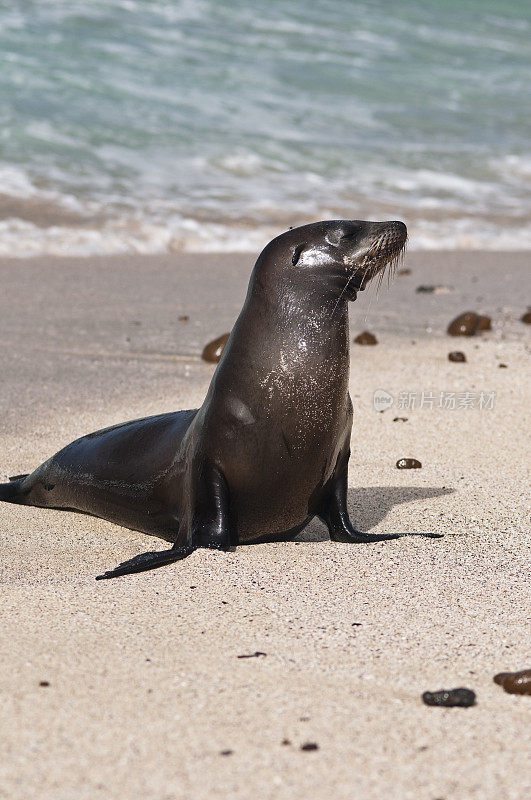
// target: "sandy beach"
[[147, 697]]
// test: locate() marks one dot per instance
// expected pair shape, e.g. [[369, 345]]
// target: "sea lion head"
[[341, 256]]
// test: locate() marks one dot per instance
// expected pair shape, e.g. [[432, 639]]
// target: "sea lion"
[[269, 448]]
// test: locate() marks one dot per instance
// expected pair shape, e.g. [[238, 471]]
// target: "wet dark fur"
[[268, 449]]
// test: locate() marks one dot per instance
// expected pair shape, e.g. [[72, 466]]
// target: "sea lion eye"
[[297, 254]]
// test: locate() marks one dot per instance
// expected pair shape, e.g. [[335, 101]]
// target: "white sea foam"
[[19, 238], [15, 182], [203, 125]]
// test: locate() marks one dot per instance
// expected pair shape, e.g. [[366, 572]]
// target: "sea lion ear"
[[297, 254], [333, 237]]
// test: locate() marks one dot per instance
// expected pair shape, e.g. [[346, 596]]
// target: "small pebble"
[[213, 350], [366, 338], [456, 355], [44, 683], [400, 419], [226, 752], [405, 271], [183, 318], [309, 746], [468, 324], [449, 698], [526, 318], [433, 290], [515, 682], [502, 366], [408, 463], [285, 741], [463, 325]]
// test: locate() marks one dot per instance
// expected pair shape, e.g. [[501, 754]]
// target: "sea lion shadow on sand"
[[370, 505]]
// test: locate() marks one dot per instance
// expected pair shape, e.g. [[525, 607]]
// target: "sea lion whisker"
[[366, 259], [341, 294]]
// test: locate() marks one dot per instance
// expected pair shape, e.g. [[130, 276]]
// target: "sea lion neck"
[[281, 325], [293, 293], [285, 307]]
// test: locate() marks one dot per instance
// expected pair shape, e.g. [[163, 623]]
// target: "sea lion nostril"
[[400, 229]]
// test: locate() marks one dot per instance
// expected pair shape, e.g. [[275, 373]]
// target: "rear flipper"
[[335, 516], [11, 492], [146, 561]]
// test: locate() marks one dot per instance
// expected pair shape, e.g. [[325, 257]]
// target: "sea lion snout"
[[360, 242], [396, 234], [382, 244], [385, 239], [399, 226]]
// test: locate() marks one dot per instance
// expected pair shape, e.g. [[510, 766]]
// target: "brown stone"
[[366, 338], [515, 682], [408, 463], [213, 350], [465, 324], [456, 355]]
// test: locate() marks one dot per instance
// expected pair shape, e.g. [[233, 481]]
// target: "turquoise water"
[[151, 125]]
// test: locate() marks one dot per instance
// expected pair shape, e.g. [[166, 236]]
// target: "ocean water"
[[156, 125]]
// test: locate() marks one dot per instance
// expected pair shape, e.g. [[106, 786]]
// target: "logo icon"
[[382, 400]]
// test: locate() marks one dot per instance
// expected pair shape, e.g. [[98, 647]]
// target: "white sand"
[[146, 688]]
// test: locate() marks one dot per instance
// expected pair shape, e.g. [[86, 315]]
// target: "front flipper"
[[209, 525], [334, 514], [145, 561]]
